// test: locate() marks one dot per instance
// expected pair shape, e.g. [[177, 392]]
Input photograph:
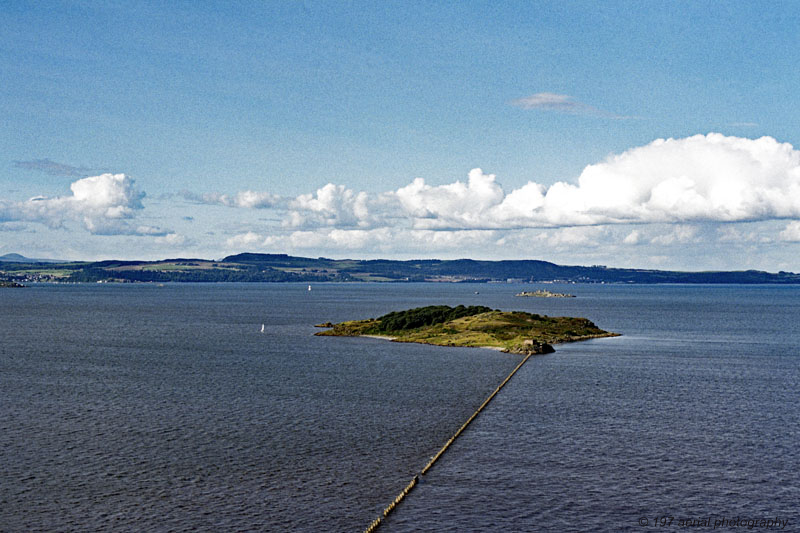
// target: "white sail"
[[262, 328]]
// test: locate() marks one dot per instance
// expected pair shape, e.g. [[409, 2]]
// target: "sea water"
[[164, 408]]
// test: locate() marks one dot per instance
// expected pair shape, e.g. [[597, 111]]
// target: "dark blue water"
[[692, 414], [131, 408]]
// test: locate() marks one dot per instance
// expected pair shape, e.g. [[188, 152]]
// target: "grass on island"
[[476, 326]]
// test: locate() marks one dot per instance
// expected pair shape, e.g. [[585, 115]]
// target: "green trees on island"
[[426, 316]]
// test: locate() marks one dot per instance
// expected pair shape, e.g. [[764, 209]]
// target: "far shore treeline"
[[252, 267]]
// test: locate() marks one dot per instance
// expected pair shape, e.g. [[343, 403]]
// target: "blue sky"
[[354, 129]]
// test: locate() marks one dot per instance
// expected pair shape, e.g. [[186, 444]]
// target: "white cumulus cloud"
[[704, 178], [332, 205], [247, 199], [701, 178], [462, 205], [633, 237], [685, 192], [381, 240], [791, 233], [173, 239], [244, 240], [102, 203], [680, 234]]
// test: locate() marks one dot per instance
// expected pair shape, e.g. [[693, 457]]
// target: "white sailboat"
[[262, 328], [309, 287]]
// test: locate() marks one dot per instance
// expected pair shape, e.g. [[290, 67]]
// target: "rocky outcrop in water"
[[545, 294], [533, 347]]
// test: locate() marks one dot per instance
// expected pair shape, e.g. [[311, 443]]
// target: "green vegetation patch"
[[512, 331], [43, 272], [426, 316], [371, 278]]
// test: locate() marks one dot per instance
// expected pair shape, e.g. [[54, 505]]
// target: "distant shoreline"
[[252, 267]]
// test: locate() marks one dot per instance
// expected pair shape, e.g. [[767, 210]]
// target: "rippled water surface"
[[692, 414], [133, 408]]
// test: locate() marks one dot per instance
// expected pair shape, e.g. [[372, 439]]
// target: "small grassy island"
[[545, 294], [474, 326]]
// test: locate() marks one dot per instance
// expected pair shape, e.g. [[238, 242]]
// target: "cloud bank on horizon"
[[703, 178], [675, 184]]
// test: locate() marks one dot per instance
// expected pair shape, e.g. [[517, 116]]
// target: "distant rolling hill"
[[470, 270], [17, 258], [252, 267]]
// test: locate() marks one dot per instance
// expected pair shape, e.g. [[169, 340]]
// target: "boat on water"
[[262, 328], [309, 287]]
